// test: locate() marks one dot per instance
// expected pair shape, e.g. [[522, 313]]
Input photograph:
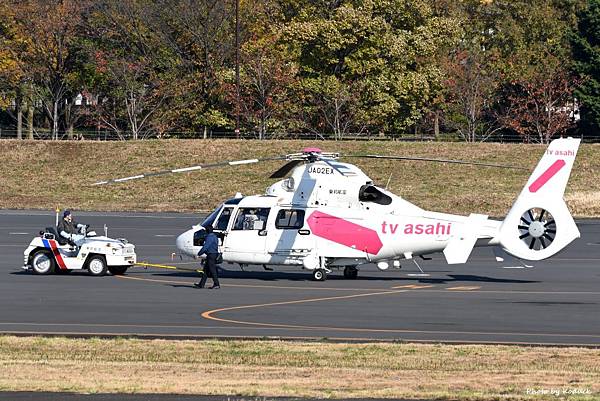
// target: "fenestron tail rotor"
[[537, 228]]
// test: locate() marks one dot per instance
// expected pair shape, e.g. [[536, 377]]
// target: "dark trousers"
[[210, 267]]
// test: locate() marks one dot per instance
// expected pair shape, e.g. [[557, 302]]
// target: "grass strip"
[[44, 174], [299, 369]]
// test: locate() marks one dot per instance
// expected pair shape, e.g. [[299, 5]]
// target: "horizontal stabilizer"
[[461, 245]]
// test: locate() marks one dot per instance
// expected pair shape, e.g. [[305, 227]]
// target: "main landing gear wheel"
[[350, 272], [319, 275], [42, 263], [97, 266], [118, 270]]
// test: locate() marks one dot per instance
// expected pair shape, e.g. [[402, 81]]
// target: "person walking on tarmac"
[[211, 249]]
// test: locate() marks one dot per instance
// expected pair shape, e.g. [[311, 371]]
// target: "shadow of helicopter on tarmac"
[[268, 276]]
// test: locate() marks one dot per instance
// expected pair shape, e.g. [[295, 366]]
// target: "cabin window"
[[251, 218], [223, 220], [370, 193], [290, 219]]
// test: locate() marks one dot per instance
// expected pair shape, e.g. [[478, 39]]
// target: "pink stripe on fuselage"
[[344, 232], [546, 175]]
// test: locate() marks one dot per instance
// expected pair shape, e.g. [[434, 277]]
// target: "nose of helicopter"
[[185, 244]]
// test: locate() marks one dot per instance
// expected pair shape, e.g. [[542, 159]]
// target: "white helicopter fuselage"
[[331, 214]]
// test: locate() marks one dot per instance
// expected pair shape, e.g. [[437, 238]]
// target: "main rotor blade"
[[333, 166], [188, 169], [285, 169], [428, 159]]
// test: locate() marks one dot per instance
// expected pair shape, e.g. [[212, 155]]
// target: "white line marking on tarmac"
[[18, 233], [96, 214], [165, 235]]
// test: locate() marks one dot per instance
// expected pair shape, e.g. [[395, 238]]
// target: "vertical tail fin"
[[539, 224]]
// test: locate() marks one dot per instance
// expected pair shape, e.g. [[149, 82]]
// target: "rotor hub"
[[537, 229], [311, 150]]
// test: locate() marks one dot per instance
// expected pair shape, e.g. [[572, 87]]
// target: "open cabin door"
[[246, 239], [289, 239]]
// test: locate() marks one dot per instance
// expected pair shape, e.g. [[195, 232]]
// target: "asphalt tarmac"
[[555, 302]]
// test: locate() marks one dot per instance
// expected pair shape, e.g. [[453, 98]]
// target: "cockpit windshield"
[[210, 219]]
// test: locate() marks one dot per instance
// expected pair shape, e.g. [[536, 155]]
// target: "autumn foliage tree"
[[49, 31], [266, 86], [152, 68], [542, 108]]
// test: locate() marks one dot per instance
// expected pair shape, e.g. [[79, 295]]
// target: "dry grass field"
[[45, 175], [300, 369]]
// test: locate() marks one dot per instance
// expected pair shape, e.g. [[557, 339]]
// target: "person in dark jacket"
[[69, 229], [211, 249]]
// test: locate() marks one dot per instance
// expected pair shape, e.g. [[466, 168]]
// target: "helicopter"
[[324, 214]]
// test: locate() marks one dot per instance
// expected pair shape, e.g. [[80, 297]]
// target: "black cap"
[[66, 213], [209, 228]]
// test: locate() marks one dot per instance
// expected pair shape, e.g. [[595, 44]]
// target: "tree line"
[[469, 70]]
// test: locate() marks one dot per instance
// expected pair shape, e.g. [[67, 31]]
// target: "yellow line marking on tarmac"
[[282, 326], [464, 288], [367, 289], [289, 287], [210, 315]]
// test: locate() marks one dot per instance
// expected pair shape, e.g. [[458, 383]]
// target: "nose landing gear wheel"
[[319, 275], [350, 272]]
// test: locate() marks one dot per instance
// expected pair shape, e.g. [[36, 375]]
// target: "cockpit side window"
[[210, 219], [370, 193], [223, 220], [251, 219]]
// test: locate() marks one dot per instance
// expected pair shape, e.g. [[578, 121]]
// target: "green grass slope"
[[46, 175]]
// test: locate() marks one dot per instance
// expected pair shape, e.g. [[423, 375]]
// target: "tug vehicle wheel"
[[350, 272], [117, 270], [97, 266], [42, 262], [319, 275]]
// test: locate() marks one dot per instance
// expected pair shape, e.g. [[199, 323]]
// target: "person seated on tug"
[[70, 230]]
